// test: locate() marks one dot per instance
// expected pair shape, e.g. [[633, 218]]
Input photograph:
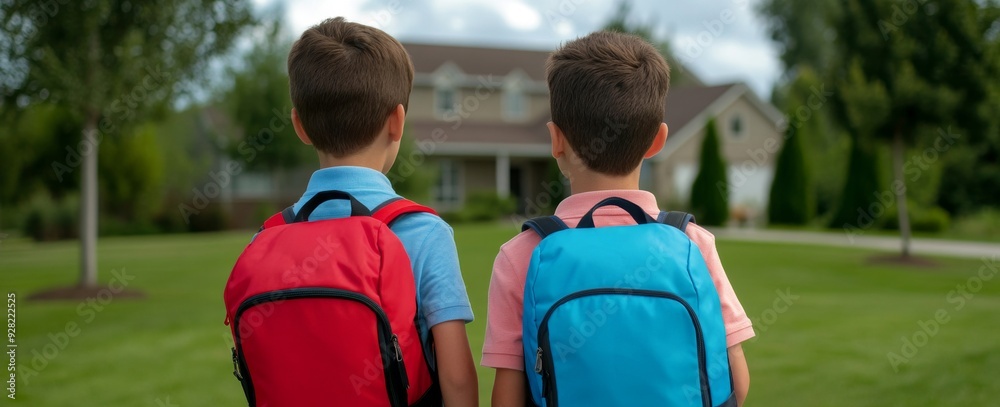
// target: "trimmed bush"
[[482, 206], [860, 189], [46, 219], [922, 219], [710, 192], [791, 201]]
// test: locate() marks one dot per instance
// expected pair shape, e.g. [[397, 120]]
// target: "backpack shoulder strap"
[[678, 220], [286, 216], [545, 225], [392, 210]]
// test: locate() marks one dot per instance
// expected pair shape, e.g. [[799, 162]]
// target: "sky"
[[721, 41]]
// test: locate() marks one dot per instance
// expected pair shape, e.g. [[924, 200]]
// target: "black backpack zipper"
[[545, 365], [392, 355]]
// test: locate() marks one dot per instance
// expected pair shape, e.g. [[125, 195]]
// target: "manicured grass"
[[829, 347]]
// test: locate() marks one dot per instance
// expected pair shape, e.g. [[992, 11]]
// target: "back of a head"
[[345, 79], [607, 93]]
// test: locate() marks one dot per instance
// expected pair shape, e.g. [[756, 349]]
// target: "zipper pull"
[[397, 349], [538, 361], [400, 365], [236, 366], [227, 320]]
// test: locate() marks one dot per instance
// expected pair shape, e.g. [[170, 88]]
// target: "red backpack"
[[324, 313]]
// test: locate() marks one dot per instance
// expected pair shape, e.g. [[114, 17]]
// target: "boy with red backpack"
[[353, 296]]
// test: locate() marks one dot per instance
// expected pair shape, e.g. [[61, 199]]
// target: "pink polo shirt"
[[503, 349]]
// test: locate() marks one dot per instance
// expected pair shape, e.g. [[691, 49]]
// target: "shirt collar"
[[348, 178], [577, 205]]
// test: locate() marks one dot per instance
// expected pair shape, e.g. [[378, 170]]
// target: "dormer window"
[[735, 126], [514, 99], [513, 104], [444, 100], [447, 89]]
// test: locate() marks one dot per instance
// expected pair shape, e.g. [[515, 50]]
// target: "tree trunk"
[[899, 187], [88, 204]]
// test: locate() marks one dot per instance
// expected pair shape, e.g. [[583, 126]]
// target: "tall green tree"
[[806, 100], [259, 103], [710, 192], [623, 22], [917, 68], [111, 62], [791, 201], [802, 30], [410, 175]]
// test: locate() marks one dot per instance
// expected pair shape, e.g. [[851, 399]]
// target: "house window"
[[444, 100], [513, 104], [736, 126], [447, 189]]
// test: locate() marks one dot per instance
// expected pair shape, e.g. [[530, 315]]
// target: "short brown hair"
[[608, 92], [345, 79]]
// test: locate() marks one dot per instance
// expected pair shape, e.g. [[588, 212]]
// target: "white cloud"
[[740, 51], [519, 16]]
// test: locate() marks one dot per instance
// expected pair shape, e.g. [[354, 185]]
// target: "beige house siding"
[[756, 130], [480, 175], [486, 106], [421, 104], [749, 179]]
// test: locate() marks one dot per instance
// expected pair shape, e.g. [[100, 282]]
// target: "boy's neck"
[[589, 181], [355, 160]]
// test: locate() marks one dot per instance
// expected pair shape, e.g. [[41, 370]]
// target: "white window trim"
[[514, 86], [438, 110], [522, 113], [458, 185], [448, 77], [729, 126]]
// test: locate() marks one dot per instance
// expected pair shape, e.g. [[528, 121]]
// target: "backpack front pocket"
[[611, 347], [340, 339]]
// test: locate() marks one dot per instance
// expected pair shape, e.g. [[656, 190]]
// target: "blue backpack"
[[623, 315]]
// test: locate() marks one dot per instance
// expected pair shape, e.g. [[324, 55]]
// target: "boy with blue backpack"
[[637, 310]]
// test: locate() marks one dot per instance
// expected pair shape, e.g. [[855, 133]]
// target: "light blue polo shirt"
[[428, 240]]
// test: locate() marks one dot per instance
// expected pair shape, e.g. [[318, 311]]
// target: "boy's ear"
[[658, 141], [299, 131], [395, 123], [558, 140]]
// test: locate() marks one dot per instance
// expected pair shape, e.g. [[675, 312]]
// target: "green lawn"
[[828, 348]]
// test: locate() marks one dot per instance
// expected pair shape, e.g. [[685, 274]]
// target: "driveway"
[[919, 246]]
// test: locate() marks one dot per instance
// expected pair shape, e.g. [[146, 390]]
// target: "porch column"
[[503, 174]]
